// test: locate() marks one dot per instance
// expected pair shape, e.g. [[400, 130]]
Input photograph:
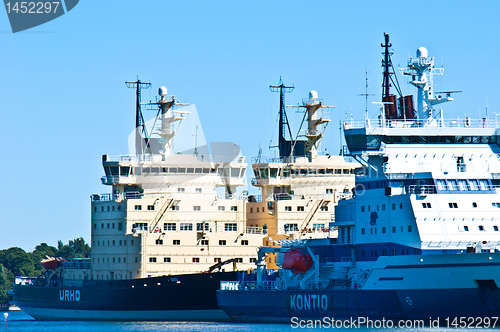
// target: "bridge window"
[[483, 184], [286, 172], [473, 185], [235, 172], [264, 172], [452, 184]]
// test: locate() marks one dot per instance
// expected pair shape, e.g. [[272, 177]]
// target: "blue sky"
[[64, 102]]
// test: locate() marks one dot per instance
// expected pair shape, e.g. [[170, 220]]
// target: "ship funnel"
[[313, 95], [162, 91], [422, 52]]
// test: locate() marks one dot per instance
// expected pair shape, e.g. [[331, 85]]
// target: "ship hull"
[[419, 287], [426, 305], [182, 297]]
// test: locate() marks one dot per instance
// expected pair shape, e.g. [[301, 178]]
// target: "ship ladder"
[[160, 214], [310, 215]]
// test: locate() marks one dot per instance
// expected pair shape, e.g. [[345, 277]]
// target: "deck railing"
[[414, 123]]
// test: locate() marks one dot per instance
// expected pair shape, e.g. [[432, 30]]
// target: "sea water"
[[18, 321]]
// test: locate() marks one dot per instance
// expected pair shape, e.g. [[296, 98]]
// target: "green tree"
[[18, 261], [6, 280]]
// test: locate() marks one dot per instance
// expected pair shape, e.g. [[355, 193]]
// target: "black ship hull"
[[181, 297]]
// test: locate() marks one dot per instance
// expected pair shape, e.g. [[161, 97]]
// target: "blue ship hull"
[[422, 304], [181, 297]]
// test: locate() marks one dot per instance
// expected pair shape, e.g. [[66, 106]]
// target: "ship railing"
[[288, 197], [247, 285], [25, 281], [157, 158], [77, 265], [420, 190], [452, 166], [272, 160], [414, 123]]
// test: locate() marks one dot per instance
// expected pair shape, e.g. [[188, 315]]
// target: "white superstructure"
[[299, 190], [169, 212]]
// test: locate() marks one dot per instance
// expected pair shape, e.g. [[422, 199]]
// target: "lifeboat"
[[52, 263], [297, 261]]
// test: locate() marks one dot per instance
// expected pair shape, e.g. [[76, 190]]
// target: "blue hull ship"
[[418, 240]]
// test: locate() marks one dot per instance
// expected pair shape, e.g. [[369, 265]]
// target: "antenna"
[[283, 121], [366, 94], [196, 141], [140, 127]]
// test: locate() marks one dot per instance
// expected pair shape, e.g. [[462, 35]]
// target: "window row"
[[197, 260], [481, 228], [108, 208], [380, 207], [176, 207], [200, 227], [202, 242], [109, 260], [463, 185], [127, 170], [373, 230], [112, 242], [276, 172]]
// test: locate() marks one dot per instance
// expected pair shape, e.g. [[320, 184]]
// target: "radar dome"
[[422, 52], [162, 91], [313, 95]]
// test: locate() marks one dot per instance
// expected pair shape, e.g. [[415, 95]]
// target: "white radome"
[[313, 95], [422, 52], [162, 91]]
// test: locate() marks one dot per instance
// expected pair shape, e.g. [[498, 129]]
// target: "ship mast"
[[283, 144], [141, 133]]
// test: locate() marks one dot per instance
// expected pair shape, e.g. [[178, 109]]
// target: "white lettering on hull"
[[69, 295], [309, 302]]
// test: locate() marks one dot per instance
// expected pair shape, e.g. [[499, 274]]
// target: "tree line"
[[17, 262]]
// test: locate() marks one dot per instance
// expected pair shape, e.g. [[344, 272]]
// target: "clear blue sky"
[[64, 102]]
